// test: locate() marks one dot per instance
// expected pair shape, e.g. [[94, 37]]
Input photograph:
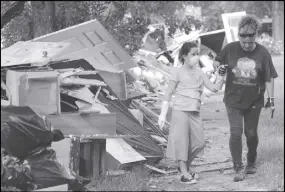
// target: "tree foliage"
[[212, 11], [127, 21]]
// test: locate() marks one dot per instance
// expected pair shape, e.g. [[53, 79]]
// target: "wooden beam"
[[160, 170]]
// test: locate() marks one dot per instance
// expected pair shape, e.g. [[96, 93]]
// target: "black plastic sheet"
[[47, 171], [23, 130]]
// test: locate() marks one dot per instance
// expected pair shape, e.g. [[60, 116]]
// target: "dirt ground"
[[215, 169]]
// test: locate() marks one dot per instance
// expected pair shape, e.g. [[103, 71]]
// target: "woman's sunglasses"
[[247, 35]]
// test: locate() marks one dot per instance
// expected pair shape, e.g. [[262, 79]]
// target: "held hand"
[[270, 104], [216, 64], [161, 121], [222, 70]]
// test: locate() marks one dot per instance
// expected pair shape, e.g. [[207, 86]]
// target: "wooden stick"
[[159, 170], [80, 81]]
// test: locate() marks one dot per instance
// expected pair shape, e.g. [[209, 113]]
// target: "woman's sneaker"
[[187, 178], [239, 174], [250, 168]]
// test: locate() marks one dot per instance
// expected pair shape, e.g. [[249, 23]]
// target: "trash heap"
[[27, 161], [77, 85]]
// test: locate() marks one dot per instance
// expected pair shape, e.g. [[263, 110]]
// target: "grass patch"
[[271, 138], [135, 180]]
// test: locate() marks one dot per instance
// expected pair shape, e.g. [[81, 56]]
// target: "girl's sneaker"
[[187, 178], [194, 175]]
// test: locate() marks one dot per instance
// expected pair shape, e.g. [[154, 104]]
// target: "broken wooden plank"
[[94, 107], [63, 187], [117, 83], [80, 81], [160, 170], [31, 52], [87, 72], [82, 93], [159, 139], [90, 138], [84, 123], [121, 153], [214, 167], [69, 73], [115, 172]]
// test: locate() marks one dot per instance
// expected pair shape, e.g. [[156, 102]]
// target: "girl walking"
[[186, 135]]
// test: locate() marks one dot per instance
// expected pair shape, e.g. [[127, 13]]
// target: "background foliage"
[[127, 21]]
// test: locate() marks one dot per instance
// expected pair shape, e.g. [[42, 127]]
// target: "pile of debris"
[[82, 95], [85, 85]]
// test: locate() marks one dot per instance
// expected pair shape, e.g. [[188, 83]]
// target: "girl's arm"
[[168, 96], [211, 86]]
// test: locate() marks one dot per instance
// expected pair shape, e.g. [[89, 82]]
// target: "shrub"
[[274, 47]]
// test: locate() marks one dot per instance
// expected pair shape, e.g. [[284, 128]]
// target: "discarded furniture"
[[37, 89], [85, 155]]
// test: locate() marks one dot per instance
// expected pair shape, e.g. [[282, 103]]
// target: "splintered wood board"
[[31, 52], [122, 151], [117, 82], [63, 187], [84, 123]]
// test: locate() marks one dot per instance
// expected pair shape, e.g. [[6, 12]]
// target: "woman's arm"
[[211, 86], [270, 88]]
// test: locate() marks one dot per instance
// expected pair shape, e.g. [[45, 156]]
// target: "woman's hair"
[[185, 49], [249, 20]]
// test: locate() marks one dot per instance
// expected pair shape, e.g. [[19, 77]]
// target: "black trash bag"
[[23, 130], [47, 171]]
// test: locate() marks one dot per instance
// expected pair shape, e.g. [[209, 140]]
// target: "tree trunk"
[[278, 20], [43, 17], [13, 10]]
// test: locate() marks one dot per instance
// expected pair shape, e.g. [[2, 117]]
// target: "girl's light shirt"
[[189, 89]]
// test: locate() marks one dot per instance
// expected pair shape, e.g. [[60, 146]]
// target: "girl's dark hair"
[[185, 49]]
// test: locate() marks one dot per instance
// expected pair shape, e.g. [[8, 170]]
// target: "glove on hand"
[[270, 104]]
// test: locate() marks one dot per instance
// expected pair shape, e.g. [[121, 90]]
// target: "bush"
[[274, 47]]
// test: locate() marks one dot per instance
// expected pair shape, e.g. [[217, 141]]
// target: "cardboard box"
[[38, 89]]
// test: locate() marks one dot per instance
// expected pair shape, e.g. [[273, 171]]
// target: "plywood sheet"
[[39, 53]]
